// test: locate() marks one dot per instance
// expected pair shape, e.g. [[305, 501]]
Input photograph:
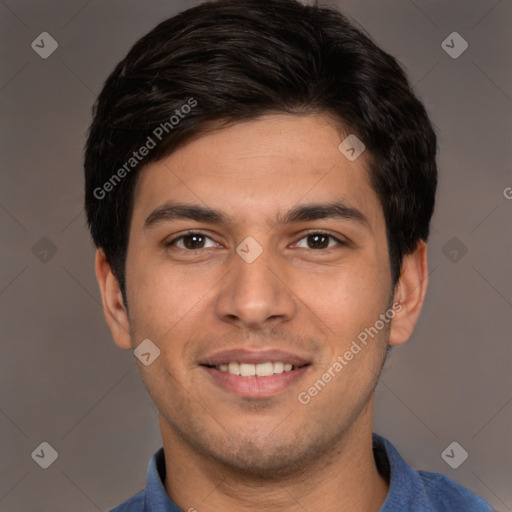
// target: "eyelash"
[[192, 233]]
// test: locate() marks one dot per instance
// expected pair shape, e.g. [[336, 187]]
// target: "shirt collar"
[[406, 491], [156, 498]]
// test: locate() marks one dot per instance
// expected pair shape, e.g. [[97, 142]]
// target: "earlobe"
[[113, 304], [409, 294]]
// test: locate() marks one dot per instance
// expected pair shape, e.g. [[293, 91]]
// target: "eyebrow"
[[170, 211]]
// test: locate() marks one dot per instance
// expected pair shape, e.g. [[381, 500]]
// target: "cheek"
[[158, 298], [172, 306], [350, 297], [167, 311]]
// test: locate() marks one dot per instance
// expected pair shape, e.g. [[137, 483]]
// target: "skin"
[[237, 453]]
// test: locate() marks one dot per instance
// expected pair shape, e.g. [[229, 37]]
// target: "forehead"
[[260, 168]]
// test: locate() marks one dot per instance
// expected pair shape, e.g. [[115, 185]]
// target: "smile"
[[258, 370], [262, 380]]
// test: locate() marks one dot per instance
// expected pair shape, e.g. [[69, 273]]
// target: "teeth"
[[247, 370], [264, 369], [251, 370], [234, 368], [278, 367]]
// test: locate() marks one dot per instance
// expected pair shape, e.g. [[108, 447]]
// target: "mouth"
[[255, 374], [256, 370]]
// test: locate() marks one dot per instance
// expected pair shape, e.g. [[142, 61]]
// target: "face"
[[249, 286]]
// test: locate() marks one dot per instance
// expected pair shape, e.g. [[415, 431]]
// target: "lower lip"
[[256, 387]]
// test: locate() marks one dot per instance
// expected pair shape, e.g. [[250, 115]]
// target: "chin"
[[266, 457], [263, 464]]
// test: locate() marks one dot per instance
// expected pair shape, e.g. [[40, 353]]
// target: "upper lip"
[[253, 357]]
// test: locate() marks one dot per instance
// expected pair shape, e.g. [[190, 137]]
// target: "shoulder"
[[446, 495], [421, 491], [134, 504]]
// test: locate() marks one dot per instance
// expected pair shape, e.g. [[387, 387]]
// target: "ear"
[[113, 304], [409, 294]]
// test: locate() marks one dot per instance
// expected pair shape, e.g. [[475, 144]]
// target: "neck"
[[343, 479]]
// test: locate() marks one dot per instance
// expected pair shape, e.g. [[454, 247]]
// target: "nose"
[[255, 293]]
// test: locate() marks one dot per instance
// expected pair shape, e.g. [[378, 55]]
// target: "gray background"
[[64, 381]]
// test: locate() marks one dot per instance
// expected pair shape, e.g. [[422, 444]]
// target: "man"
[[260, 180]]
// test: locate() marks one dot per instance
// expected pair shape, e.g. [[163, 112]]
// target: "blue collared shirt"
[[409, 490]]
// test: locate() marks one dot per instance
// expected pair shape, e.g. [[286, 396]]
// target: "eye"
[[190, 241], [195, 240], [320, 240]]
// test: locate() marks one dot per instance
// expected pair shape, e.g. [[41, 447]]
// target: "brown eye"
[[319, 240], [190, 241]]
